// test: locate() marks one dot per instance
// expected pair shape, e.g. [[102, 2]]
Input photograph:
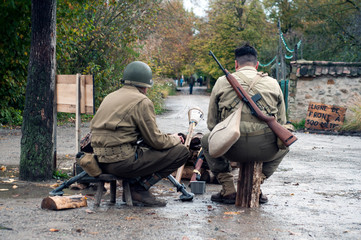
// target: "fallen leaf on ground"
[[53, 230], [89, 211], [55, 185], [3, 168], [15, 187], [9, 181], [233, 213], [294, 233], [131, 218]]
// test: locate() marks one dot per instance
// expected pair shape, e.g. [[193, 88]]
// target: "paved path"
[[315, 194]]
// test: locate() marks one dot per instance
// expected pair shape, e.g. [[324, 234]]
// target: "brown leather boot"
[[142, 197], [228, 193]]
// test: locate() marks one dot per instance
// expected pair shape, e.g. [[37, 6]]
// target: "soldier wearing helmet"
[[124, 119]]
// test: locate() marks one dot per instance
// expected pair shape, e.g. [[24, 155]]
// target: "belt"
[[108, 151], [257, 133]]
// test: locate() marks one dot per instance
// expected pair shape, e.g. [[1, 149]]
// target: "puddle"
[[12, 187], [23, 190]]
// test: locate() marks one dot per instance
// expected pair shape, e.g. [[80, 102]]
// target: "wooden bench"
[[103, 178], [249, 184]]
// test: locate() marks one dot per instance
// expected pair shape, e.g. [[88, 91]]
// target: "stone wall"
[[332, 83]]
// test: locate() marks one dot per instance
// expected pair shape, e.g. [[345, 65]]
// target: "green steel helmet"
[[139, 74]]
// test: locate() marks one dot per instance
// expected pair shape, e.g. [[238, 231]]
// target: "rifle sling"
[[261, 103]]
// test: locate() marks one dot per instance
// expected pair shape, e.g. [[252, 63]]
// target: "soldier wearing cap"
[[125, 118]]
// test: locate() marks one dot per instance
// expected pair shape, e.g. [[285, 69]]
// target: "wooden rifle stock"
[[282, 133]]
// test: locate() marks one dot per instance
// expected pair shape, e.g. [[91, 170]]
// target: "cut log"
[[63, 202], [249, 184]]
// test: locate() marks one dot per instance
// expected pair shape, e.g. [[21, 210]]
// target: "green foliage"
[[329, 29], [11, 116], [102, 37], [230, 24], [160, 90], [60, 175], [14, 51], [99, 38]]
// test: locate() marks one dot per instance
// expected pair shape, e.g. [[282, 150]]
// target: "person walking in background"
[[191, 82], [181, 81]]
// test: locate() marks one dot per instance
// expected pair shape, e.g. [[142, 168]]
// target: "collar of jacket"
[[129, 86], [246, 68]]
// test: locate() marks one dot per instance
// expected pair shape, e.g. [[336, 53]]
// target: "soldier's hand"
[[180, 136]]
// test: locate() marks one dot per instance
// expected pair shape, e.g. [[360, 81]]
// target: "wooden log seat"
[[249, 184]]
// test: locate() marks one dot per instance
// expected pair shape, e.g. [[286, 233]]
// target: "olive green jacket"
[[124, 117], [224, 101]]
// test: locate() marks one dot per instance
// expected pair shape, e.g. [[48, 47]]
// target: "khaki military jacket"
[[124, 117], [224, 101]]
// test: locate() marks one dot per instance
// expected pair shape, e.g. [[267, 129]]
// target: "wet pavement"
[[315, 194]]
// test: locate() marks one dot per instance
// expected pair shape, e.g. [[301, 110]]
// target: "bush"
[[161, 89], [11, 116]]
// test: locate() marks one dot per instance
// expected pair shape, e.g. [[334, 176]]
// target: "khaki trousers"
[[148, 161], [260, 148]]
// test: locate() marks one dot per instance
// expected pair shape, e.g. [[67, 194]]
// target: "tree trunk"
[[37, 129]]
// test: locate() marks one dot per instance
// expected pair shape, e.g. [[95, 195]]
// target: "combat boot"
[[262, 198], [228, 193], [142, 197]]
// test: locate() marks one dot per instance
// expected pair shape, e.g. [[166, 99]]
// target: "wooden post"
[[77, 113], [55, 124], [248, 184]]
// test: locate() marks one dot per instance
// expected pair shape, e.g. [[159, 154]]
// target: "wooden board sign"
[[324, 117], [66, 93]]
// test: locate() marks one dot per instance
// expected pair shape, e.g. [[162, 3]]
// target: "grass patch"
[[354, 122], [60, 175], [299, 125]]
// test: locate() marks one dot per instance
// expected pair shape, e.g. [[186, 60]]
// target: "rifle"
[[282, 133]]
